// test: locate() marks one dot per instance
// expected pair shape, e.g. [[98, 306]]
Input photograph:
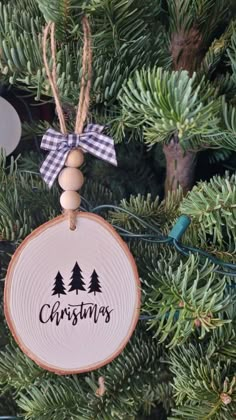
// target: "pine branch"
[[125, 21], [130, 383], [225, 137], [19, 213], [96, 194], [231, 54], [222, 344], [225, 86], [168, 103], [211, 207], [204, 388], [17, 370], [140, 206], [63, 12], [184, 297], [217, 50], [205, 15]]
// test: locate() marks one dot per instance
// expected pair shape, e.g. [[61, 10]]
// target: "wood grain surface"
[[82, 318]]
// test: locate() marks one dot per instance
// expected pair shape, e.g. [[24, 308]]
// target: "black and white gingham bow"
[[59, 145]]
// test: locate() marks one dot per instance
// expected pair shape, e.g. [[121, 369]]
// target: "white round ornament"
[[10, 127], [72, 298]]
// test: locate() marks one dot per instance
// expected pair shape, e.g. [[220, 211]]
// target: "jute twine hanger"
[[84, 98]]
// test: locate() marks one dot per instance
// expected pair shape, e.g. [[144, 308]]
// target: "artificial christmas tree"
[[163, 72]]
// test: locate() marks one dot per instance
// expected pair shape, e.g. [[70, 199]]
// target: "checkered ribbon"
[[59, 145]]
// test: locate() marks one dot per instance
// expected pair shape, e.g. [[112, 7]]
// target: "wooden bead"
[[70, 200], [75, 158], [70, 179]]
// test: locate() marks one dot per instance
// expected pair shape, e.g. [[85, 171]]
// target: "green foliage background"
[[182, 360]]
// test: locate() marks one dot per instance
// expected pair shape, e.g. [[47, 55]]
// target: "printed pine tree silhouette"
[[94, 285], [77, 282], [59, 288]]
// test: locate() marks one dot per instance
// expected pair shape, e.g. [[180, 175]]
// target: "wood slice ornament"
[[72, 298], [72, 290]]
